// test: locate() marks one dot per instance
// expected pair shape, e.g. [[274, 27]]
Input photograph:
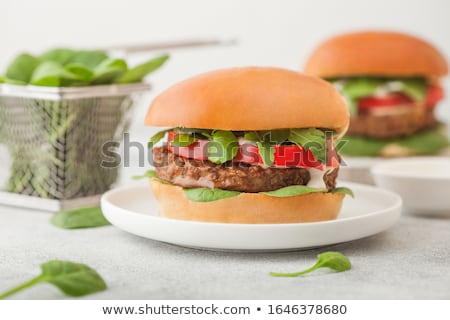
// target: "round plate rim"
[[394, 210]]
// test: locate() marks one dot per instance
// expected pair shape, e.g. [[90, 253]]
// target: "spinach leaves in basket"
[[69, 68], [55, 144]]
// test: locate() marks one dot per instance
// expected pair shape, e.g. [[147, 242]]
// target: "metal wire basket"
[[55, 137]]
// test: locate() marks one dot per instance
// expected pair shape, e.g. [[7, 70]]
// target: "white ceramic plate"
[[135, 210]]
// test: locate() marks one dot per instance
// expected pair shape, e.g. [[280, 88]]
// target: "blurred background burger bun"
[[377, 53]]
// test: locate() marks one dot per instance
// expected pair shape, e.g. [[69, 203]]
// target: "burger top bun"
[[376, 53], [251, 98]]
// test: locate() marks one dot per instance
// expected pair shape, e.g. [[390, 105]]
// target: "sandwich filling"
[[387, 109], [236, 176], [251, 161]]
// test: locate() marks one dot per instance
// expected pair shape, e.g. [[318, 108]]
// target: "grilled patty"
[[407, 121], [191, 173]]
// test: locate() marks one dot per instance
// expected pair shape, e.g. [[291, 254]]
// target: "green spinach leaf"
[[223, 147], [206, 133], [331, 259], [89, 217], [310, 139], [148, 174], [73, 279], [252, 136], [22, 67], [344, 190], [207, 195], [415, 88], [14, 82], [75, 74], [183, 140], [137, 73], [109, 70], [278, 136], [424, 142], [362, 146], [59, 55], [291, 191], [157, 137], [355, 88], [267, 153], [79, 72], [88, 58], [47, 74], [272, 137]]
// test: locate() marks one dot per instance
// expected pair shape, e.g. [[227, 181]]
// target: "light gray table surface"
[[409, 261]]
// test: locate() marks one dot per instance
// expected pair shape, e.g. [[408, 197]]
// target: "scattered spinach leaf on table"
[[88, 217], [331, 259], [73, 279]]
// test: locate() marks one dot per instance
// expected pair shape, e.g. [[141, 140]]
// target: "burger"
[[248, 145], [392, 84]]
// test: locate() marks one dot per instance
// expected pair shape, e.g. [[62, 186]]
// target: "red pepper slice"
[[284, 155]]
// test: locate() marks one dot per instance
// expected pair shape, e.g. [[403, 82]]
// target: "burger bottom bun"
[[248, 208]]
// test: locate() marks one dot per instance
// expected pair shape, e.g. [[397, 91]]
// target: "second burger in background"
[[248, 145], [392, 83]]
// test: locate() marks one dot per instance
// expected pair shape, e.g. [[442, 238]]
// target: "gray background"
[[411, 260]]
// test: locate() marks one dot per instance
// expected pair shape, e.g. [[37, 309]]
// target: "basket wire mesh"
[[55, 142]]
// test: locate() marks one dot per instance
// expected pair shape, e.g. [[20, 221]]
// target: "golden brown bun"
[[247, 207], [376, 53], [252, 98]]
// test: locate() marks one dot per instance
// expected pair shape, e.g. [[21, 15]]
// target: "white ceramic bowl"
[[423, 183]]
